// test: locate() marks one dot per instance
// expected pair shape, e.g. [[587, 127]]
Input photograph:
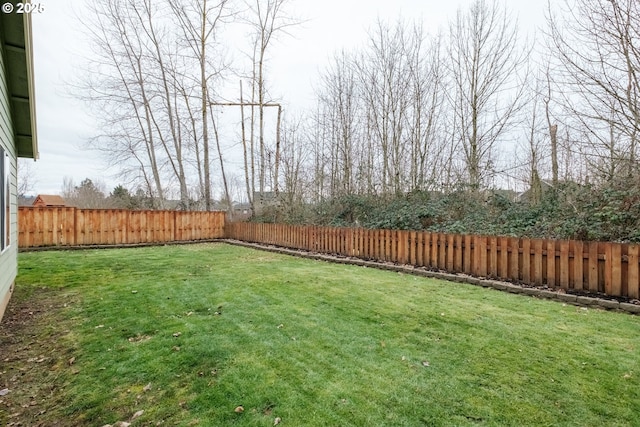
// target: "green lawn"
[[189, 333]]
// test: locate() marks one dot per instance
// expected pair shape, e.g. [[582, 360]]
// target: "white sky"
[[64, 124]]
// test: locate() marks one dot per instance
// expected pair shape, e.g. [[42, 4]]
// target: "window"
[[5, 205]]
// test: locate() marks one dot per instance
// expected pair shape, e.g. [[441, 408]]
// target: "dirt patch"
[[33, 359]]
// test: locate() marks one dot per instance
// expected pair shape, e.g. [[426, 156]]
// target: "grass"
[[189, 333]]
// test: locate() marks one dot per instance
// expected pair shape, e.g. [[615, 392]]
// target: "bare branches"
[[379, 112], [485, 62], [597, 43]]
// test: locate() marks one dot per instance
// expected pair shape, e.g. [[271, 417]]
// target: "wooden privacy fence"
[[611, 268], [68, 226]]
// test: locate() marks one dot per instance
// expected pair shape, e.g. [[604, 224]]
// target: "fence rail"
[[68, 226], [610, 268]]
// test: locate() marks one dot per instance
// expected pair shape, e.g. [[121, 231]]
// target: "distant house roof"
[[545, 185], [24, 201], [48, 200]]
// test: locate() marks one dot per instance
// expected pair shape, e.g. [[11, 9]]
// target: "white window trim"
[[5, 202]]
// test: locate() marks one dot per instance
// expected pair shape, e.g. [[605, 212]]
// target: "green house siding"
[[8, 258], [17, 130]]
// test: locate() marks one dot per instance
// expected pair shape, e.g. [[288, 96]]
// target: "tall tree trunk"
[[225, 184], [244, 151], [277, 155]]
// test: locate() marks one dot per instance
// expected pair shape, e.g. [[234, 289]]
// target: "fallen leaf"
[[177, 334], [277, 421], [280, 326], [137, 414], [147, 387], [176, 348], [134, 292], [425, 363], [99, 326], [122, 424], [238, 410], [72, 360], [190, 313]]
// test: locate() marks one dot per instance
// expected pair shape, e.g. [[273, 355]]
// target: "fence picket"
[[514, 258], [593, 267], [434, 250], [450, 251], [467, 258], [564, 264], [493, 257], [633, 276], [551, 263], [578, 265], [526, 261], [503, 259], [458, 254], [616, 269]]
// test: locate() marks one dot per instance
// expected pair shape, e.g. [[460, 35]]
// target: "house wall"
[[8, 258]]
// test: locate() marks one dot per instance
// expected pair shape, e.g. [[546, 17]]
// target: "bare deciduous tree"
[[26, 177], [199, 21], [268, 18], [150, 84], [486, 60], [597, 44]]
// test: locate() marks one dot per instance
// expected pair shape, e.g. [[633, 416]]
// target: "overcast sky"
[[64, 124]]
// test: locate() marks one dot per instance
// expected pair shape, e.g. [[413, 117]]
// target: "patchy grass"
[[188, 334]]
